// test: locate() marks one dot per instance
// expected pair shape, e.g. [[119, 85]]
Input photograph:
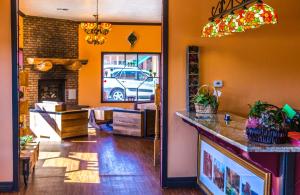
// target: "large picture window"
[[129, 77]]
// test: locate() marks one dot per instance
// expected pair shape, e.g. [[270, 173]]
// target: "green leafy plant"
[[257, 108], [266, 116], [205, 99], [25, 139]]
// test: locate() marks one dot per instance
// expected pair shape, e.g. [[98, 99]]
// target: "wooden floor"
[[98, 164]]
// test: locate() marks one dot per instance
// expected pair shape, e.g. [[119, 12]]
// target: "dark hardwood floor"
[[98, 164]]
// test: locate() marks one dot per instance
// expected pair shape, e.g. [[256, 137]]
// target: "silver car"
[[129, 85]]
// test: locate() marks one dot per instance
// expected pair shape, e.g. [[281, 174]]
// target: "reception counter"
[[273, 164], [59, 125]]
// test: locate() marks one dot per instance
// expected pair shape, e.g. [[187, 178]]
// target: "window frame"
[[126, 53]]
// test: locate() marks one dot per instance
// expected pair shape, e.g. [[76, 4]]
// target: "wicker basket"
[[268, 136], [202, 109]]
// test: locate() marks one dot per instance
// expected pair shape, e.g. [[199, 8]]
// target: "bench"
[[29, 156]]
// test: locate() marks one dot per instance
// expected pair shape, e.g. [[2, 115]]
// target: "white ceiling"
[[148, 11]]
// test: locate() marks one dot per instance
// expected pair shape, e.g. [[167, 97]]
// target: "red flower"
[[222, 26], [260, 7], [249, 17], [241, 13], [208, 31], [267, 16]]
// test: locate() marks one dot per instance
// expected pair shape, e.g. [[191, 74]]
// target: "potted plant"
[[266, 124], [206, 100], [24, 140]]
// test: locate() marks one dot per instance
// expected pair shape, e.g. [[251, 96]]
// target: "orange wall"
[[149, 40], [6, 154], [258, 64]]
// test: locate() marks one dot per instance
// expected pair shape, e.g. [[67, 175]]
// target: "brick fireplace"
[[51, 90], [51, 38], [58, 73]]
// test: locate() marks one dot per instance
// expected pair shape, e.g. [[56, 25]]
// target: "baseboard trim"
[[6, 186], [181, 182]]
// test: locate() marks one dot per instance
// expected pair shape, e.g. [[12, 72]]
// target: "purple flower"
[[252, 123]]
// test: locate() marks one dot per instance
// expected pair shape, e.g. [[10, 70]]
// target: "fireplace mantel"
[[46, 64]]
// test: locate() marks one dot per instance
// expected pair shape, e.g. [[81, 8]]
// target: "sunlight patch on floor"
[[61, 162], [84, 156], [78, 167], [47, 155], [77, 141], [92, 132], [83, 176]]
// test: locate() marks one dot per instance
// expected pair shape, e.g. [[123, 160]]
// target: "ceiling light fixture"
[[96, 31], [225, 21], [62, 9]]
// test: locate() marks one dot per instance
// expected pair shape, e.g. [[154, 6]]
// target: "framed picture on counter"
[[222, 172]]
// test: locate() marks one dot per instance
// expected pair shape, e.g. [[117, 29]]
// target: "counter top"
[[233, 133], [58, 112]]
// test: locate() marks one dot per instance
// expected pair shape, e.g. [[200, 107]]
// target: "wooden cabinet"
[[128, 122], [29, 156], [59, 125], [73, 124]]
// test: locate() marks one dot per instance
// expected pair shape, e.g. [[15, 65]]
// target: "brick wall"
[[51, 38]]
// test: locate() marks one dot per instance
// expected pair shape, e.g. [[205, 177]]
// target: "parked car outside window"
[[134, 81]]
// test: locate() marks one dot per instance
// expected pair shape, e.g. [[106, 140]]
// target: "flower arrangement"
[[206, 100], [266, 124]]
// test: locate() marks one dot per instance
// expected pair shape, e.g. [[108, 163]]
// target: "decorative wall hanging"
[[96, 31], [132, 39], [230, 16]]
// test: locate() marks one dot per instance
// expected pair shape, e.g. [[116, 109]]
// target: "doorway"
[[164, 99]]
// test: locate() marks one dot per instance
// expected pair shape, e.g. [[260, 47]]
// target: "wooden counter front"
[[128, 122], [59, 125], [277, 159]]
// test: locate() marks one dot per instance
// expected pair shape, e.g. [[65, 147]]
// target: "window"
[[129, 77]]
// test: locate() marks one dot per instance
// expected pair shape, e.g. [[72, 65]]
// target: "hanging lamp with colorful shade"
[[223, 27], [210, 30], [259, 14], [235, 17], [236, 22]]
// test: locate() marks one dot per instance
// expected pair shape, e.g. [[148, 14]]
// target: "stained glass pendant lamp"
[[223, 27], [226, 20], [260, 14], [236, 22], [210, 30]]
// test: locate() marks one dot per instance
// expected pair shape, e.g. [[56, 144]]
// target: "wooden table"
[[29, 155], [103, 114], [128, 122]]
